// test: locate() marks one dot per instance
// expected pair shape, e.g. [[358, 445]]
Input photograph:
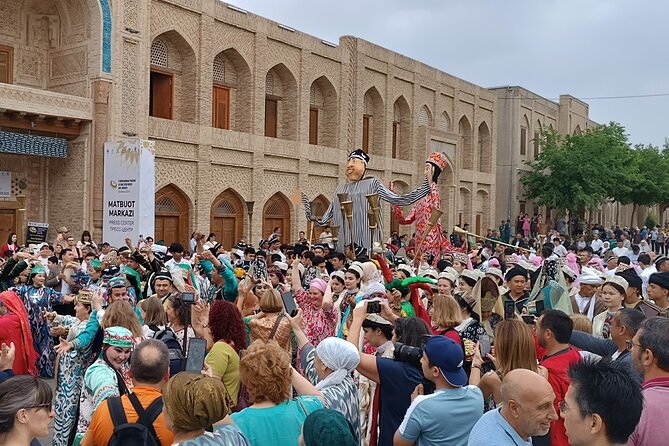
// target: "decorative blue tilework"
[[106, 36], [23, 144]]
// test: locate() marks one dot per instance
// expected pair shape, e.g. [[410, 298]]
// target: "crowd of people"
[[562, 341]]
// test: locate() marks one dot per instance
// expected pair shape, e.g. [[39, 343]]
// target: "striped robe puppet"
[[357, 186], [432, 242]]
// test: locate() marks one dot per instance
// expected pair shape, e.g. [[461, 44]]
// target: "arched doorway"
[[227, 218], [318, 208], [172, 216], [276, 213]]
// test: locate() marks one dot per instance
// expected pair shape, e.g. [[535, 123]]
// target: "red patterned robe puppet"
[[433, 242]]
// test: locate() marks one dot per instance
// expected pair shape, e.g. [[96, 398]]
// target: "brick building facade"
[[244, 112]]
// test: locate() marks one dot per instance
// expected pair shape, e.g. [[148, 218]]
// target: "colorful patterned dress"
[[35, 301], [70, 375], [100, 383], [434, 242], [319, 324]]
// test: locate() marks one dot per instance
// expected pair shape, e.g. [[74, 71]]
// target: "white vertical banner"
[[130, 188], [5, 185]]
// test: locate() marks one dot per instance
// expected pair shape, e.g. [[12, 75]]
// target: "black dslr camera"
[[412, 355]]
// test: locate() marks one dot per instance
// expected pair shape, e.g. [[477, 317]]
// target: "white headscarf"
[[339, 356]]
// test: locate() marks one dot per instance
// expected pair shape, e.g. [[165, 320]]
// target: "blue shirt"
[[398, 381], [493, 430], [444, 418], [276, 426]]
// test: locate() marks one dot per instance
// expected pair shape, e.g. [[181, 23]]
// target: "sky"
[[589, 49]]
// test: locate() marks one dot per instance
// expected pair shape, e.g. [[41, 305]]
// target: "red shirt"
[[557, 365], [450, 333]]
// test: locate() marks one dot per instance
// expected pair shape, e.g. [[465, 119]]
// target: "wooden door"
[[313, 126], [365, 134], [225, 230], [227, 218], [7, 225], [160, 100], [167, 229], [478, 224], [172, 215], [271, 113], [221, 107], [277, 214]]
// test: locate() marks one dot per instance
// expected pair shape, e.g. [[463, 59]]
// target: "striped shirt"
[[342, 397], [357, 192]]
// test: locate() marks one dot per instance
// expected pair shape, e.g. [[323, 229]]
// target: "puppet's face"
[[355, 169], [429, 170]]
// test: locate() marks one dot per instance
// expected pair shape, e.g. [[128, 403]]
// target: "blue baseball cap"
[[447, 354]]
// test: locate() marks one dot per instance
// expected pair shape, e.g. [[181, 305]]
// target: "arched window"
[[443, 122], [466, 149], [231, 94], [323, 113], [373, 123], [425, 117], [280, 103], [485, 149], [401, 136]]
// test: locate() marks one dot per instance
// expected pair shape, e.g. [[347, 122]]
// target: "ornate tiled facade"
[[94, 70]]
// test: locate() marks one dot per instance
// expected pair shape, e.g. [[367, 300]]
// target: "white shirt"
[[561, 251], [596, 244], [582, 302], [619, 252], [171, 263], [645, 275]]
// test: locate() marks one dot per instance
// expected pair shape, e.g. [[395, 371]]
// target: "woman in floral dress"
[[37, 300]]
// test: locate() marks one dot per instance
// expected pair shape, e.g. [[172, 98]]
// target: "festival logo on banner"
[[129, 199]]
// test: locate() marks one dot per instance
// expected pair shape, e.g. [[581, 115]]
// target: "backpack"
[[139, 433], [177, 357]]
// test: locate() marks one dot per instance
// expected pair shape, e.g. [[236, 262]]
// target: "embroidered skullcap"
[[617, 280], [590, 276], [437, 159], [495, 272], [375, 288], [338, 273], [283, 266], [406, 269], [116, 282], [359, 154], [357, 267], [431, 273], [118, 337], [453, 278]]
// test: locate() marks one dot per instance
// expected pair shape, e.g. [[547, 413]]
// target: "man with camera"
[[396, 378], [447, 416]]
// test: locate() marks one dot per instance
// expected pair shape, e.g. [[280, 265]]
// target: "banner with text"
[[130, 191]]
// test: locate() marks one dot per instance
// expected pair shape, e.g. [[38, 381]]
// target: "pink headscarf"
[[319, 284], [572, 262]]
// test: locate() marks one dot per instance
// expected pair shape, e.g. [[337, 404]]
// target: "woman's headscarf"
[[328, 427], [339, 356], [13, 303], [195, 401]]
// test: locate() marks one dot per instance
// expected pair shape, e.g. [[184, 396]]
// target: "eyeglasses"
[[562, 406], [41, 406], [630, 344]]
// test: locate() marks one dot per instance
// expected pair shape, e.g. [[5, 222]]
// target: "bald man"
[[527, 411]]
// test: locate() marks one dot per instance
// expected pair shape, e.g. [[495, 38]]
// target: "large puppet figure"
[[430, 240], [357, 187]]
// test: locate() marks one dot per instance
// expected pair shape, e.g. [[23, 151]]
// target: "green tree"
[[578, 172], [649, 179]]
